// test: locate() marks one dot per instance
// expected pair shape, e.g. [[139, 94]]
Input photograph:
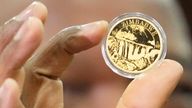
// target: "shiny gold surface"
[[133, 45]]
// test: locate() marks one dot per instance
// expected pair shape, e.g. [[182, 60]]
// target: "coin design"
[[134, 44]]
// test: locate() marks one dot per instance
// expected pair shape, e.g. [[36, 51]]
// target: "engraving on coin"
[[133, 45]]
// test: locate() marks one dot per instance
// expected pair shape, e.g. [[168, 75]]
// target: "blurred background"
[[88, 82]]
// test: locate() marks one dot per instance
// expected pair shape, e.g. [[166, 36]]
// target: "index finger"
[[53, 58], [152, 89]]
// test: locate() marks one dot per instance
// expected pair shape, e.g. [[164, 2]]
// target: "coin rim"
[[151, 21]]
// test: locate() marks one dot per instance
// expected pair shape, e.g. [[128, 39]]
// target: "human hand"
[[39, 75], [37, 80]]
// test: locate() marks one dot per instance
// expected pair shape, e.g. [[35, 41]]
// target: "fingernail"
[[94, 25], [94, 31], [4, 89], [27, 12], [22, 31]]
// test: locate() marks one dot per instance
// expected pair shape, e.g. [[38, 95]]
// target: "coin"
[[135, 43]]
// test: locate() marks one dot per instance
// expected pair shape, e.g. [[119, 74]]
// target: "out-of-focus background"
[[88, 82]]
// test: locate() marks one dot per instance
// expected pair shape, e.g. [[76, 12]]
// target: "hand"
[[36, 81]]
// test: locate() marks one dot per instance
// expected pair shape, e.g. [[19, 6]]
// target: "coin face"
[[133, 45]]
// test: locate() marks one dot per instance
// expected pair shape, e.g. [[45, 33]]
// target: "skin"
[[21, 36]]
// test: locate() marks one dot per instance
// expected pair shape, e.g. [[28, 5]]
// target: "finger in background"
[[10, 28], [21, 48], [10, 95]]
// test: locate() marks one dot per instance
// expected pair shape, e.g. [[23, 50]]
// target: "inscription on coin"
[[133, 45]]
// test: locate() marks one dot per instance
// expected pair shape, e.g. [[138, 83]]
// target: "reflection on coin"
[[135, 42]]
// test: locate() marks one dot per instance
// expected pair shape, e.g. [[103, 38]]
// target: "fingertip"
[[94, 31], [100, 32], [157, 82], [9, 93], [36, 9], [40, 10], [173, 64], [103, 26], [103, 29], [167, 67], [11, 86]]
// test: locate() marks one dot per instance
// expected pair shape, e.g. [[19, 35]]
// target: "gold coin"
[[134, 43]]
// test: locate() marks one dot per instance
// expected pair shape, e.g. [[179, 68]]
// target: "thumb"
[[152, 89]]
